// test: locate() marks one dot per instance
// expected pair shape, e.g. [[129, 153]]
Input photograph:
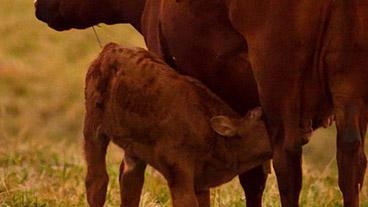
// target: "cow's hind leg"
[[287, 152], [95, 147], [351, 123], [363, 160], [131, 180], [288, 168], [253, 183]]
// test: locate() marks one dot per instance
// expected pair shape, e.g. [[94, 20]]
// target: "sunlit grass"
[[41, 113]]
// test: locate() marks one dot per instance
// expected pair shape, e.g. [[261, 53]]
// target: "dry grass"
[[41, 111]]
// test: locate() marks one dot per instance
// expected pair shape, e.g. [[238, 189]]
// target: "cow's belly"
[[232, 79], [206, 47]]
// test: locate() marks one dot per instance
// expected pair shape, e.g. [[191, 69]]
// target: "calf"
[[169, 121]]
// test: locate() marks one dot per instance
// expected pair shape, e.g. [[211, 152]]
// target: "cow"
[[170, 121], [302, 55], [200, 44], [310, 60]]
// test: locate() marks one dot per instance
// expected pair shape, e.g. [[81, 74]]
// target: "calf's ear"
[[255, 113], [224, 126]]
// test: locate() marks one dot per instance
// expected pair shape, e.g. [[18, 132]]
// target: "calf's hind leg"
[[351, 123], [131, 180], [97, 179]]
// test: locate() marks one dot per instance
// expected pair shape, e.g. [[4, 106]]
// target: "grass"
[[41, 112]]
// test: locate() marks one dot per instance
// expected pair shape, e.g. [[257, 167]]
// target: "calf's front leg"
[[131, 180], [181, 184], [203, 197], [253, 183]]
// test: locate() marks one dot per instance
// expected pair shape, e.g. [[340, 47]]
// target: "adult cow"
[[310, 57], [201, 44]]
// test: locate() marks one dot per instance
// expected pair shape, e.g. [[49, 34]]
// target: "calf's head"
[[250, 133], [67, 14]]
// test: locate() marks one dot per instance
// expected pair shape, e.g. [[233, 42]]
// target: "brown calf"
[[167, 120]]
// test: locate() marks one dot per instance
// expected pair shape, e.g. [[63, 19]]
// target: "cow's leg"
[[203, 197], [287, 165], [253, 183], [363, 160], [97, 179], [287, 151], [351, 123], [131, 181]]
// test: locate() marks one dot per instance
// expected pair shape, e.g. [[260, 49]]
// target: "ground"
[[41, 112]]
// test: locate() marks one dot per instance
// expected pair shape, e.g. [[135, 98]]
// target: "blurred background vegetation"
[[41, 112]]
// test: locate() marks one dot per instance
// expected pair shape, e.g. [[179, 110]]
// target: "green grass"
[[41, 111]]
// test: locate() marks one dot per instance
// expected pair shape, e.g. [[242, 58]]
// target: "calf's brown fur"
[[167, 120]]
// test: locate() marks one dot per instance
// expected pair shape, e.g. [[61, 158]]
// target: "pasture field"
[[41, 114]]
